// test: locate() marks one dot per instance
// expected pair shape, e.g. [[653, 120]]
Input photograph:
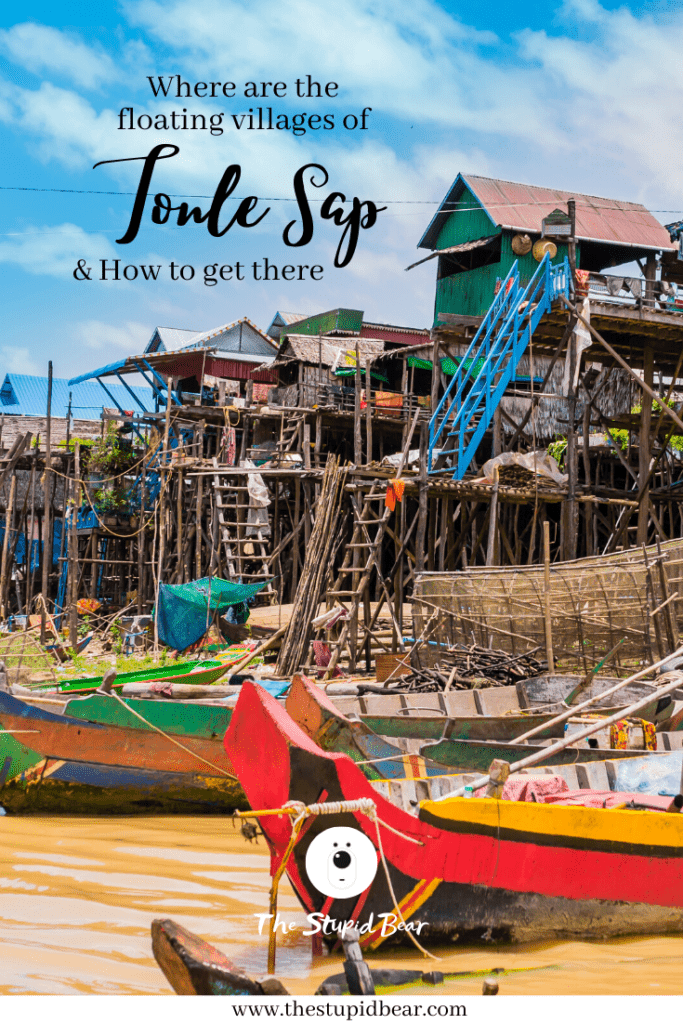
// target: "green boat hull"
[[200, 673], [178, 718], [476, 755], [31, 783]]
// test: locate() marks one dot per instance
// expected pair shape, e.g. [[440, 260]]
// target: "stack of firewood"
[[467, 668]]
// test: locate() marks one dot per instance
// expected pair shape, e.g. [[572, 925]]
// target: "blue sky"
[[578, 95]]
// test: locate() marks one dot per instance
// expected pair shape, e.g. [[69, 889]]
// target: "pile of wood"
[[516, 476], [467, 668]]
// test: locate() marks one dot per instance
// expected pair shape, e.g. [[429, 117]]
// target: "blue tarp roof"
[[24, 395]]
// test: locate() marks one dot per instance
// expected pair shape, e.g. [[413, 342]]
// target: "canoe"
[[195, 672], [88, 767], [176, 718], [498, 712], [310, 708], [179, 718], [194, 967], [463, 870]]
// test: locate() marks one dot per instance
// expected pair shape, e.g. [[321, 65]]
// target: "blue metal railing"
[[490, 362]]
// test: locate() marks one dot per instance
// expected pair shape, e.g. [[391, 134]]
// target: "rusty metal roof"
[[517, 207]]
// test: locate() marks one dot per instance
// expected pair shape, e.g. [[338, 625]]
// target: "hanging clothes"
[[394, 493]]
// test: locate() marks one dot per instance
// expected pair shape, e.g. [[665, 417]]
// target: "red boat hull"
[[466, 881]]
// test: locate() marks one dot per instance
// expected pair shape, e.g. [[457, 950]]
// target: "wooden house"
[[484, 225]]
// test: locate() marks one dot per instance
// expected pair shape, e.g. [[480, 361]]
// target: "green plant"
[[558, 450], [85, 443], [117, 635], [84, 626], [115, 500], [110, 455], [620, 437]]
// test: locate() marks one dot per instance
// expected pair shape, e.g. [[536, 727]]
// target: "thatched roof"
[[328, 352]]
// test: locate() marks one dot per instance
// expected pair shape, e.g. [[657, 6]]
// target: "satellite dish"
[[521, 245], [543, 246]]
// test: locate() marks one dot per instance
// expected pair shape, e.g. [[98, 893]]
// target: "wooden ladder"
[[363, 543], [354, 575], [291, 438], [245, 549]]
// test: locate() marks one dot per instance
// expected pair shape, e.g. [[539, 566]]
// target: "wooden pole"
[[47, 510], [423, 493], [368, 411], [644, 448], [198, 535], [9, 516], [491, 547], [435, 376], [30, 532], [546, 577], [571, 508], [179, 527], [73, 549], [162, 511], [571, 241], [357, 437], [405, 405]]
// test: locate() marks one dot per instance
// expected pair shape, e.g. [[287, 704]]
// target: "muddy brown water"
[[77, 897]]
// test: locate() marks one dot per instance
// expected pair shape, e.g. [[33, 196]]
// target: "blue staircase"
[[464, 413]]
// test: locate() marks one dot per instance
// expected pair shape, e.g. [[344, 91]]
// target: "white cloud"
[[53, 250], [17, 360], [40, 48], [129, 337], [405, 60]]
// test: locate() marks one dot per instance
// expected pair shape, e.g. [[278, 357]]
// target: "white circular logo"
[[341, 862]]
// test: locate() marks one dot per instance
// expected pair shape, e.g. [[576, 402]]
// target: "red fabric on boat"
[[608, 798]]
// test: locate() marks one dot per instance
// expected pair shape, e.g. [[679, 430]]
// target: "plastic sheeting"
[[659, 774], [184, 610], [540, 463]]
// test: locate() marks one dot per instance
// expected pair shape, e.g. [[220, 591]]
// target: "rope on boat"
[[293, 808], [161, 732], [300, 811]]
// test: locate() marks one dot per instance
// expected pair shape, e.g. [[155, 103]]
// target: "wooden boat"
[[64, 763], [497, 712], [464, 869], [196, 968], [196, 672], [310, 708]]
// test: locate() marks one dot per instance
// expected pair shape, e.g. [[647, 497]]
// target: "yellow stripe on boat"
[[646, 828], [408, 906]]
